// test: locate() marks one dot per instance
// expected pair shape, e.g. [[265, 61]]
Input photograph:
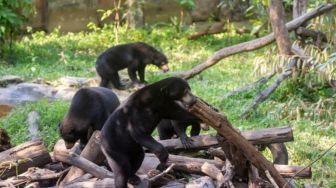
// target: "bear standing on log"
[[89, 109], [128, 129], [133, 56]]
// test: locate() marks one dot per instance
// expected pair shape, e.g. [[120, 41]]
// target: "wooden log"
[[253, 44], [18, 159], [104, 183], [220, 123], [259, 136], [82, 163], [91, 152], [212, 171], [194, 165]]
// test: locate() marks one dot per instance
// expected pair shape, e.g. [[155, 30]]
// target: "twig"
[[249, 86], [152, 179], [271, 179]]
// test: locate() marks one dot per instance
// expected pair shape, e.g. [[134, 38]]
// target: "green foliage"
[[12, 16], [188, 4]]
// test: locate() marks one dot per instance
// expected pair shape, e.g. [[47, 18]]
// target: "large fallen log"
[[221, 124], [194, 165], [260, 136], [18, 159], [104, 183], [91, 152], [254, 44]]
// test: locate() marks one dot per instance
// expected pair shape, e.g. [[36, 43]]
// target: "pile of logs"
[[228, 159]]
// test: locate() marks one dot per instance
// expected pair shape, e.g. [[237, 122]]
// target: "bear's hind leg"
[[104, 83], [136, 161], [120, 166], [114, 77]]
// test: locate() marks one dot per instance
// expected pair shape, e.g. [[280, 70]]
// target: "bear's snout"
[[164, 68], [188, 99]]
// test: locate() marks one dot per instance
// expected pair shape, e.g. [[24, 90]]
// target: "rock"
[[203, 10], [10, 79], [65, 93], [203, 182], [77, 82], [25, 92], [4, 140], [5, 109], [33, 125]]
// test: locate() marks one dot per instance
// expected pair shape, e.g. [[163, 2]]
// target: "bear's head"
[[177, 89], [160, 60], [68, 134]]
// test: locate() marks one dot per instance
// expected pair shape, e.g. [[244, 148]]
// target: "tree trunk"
[[299, 7], [134, 16], [277, 18], [223, 126], [18, 159], [253, 44]]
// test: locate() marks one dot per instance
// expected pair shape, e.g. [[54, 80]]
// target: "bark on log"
[[82, 163], [194, 165], [259, 136], [299, 7], [254, 44], [223, 126], [91, 152], [277, 18], [29, 154], [212, 171], [104, 183]]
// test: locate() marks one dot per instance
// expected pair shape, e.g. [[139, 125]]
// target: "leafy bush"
[[12, 16]]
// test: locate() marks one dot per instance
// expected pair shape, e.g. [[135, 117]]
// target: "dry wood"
[[220, 123], [212, 29], [194, 165], [277, 19], [250, 86], [259, 136], [104, 183], [217, 153], [263, 95], [18, 159], [91, 152], [254, 44], [212, 171], [82, 163], [31, 175]]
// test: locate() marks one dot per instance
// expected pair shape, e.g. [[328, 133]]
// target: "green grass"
[[53, 56]]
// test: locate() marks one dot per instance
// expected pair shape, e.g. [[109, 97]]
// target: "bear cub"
[[128, 129], [133, 56], [89, 109]]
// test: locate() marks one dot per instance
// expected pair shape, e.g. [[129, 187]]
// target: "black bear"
[[128, 129], [133, 56], [167, 128], [89, 109]]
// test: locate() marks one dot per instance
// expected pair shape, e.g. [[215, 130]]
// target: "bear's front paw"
[[187, 142], [134, 180], [163, 156]]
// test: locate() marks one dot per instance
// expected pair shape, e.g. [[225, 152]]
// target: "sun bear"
[[133, 56], [89, 109], [128, 129]]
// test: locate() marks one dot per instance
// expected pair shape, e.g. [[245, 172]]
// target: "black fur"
[[130, 126], [133, 56], [89, 109]]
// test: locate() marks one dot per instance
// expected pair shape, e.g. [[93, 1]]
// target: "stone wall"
[[74, 15]]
